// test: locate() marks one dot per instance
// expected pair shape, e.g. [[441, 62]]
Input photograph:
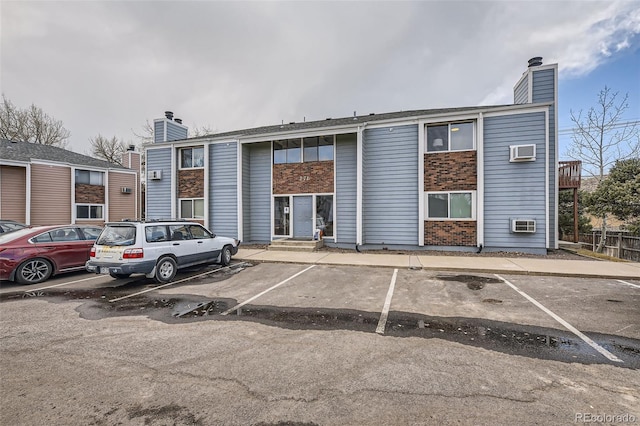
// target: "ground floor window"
[[192, 208], [90, 211], [324, 214], [450, 205]]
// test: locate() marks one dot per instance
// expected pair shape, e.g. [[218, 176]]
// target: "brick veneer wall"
[[450, 233], [303, 178], [191, 183], [450, 171], [89, 194]]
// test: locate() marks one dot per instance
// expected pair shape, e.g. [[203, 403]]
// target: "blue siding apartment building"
[[445, 179]]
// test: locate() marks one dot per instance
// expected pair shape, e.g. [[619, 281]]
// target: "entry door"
[[302, 217]]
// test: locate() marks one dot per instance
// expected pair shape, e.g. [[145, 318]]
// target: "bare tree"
[[110, 150], [601, 137], [30, 125]]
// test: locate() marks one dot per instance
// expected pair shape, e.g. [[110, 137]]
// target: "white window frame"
[[192, 167], [101, 173], [89, 205], [302, 150], [449, 218], [193, 209], [449, 124]]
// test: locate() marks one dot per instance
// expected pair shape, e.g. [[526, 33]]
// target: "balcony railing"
[[569, 174]]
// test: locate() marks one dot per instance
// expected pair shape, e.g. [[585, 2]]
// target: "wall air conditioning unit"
[[155, 174], [522, 153], [527, 226], [125, 190]]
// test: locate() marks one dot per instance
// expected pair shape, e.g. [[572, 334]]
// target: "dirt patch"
[[473, 282], [551, 254]]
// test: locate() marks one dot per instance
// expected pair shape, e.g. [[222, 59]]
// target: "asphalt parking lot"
[[298, 344]]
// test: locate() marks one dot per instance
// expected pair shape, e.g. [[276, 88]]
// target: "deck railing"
[[569, 174]]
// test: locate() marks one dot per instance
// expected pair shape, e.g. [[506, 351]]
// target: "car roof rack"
[[143, 220]]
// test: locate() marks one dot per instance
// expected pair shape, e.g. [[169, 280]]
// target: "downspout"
[[359, 184], [27, 212], [480, 181]]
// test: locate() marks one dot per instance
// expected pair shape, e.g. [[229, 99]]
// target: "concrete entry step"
[[569, 245], [295, 245]]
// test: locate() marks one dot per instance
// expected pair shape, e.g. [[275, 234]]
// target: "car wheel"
[[114, 275], [225, 256], [166, 270], [33, 271]]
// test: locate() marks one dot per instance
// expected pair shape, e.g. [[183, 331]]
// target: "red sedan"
[[32, 255]]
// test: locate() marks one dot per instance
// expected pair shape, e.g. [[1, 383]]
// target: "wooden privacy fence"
[[618, 244]]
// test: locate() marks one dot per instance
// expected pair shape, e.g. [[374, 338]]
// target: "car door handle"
[[199, 242], [176, 244]]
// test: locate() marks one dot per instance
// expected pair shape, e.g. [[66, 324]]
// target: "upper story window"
[[451, 137], [191, 158], [317, 148], [90, 177], [287, 151]]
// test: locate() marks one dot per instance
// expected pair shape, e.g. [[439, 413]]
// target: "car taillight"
[[92, 253], [133, 253]]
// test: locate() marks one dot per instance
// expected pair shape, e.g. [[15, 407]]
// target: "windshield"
[[117, 235]]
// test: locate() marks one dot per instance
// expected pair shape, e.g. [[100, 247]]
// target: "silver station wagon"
[[157, 248]]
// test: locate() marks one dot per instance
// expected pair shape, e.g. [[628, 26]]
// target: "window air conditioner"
[[523, 225], [155, 174], [522, 153], [125, 190]]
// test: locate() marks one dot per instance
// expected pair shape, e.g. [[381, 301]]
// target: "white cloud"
[[106, 67]]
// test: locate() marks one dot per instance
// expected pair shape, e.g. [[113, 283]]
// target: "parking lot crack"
[[447, 395]]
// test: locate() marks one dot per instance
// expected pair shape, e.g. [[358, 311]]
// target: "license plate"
[[104, 270]]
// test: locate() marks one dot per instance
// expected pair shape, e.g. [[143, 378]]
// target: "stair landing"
[[288, 244]]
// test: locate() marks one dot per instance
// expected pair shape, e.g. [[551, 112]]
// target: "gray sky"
[[107, 67]]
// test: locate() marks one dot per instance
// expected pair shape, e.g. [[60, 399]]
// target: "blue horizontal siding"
[[346, 188], [158, 192], [513, 190], [223, 189], [260, 192], [390, 186]]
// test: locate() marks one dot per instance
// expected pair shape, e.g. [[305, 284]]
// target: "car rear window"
[[117, 235], [10, 236]]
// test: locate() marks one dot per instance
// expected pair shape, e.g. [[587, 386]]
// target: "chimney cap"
[[168, 115], [178, 120], [131, 148], [535, 61]]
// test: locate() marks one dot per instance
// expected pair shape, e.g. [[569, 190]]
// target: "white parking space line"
[[632, 285], [568, 326], [387, 304], [60, 285], [240, 305], [173, 282]]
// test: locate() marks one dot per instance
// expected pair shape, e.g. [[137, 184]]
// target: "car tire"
[[119, 276], [34, 271], [225, 256], [166, 269]]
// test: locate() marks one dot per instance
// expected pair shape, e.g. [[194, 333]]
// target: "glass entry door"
[[281, 215]]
